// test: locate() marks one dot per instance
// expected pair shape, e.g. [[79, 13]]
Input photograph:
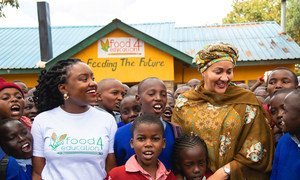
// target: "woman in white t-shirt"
[[72, 140]]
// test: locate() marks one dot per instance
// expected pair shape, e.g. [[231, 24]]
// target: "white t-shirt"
[[75, 146]]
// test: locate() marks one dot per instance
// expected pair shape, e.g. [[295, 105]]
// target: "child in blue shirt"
[[16, 142], [286, 163], [129, 110]]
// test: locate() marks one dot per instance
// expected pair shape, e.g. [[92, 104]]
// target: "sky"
[[102, 12]]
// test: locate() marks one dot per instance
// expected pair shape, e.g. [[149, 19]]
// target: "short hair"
[[130, 97], [6, 120], [103, 83], [140, 85], [287, 69], [296, 94], [187, 141], [147, 119]]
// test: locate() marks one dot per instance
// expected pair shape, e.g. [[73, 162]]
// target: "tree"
[[293, 19], [254, 11], [266, 10], [3, 3]]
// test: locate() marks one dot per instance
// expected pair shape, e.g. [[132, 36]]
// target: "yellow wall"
[[135, 69], [29, 79], [181, 74], [242, 73]]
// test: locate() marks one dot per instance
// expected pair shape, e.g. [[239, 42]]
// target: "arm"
[[38, 164], [111, 159], [220, 174], [110, 162], [258, 82], [38, 159], [255, 147]]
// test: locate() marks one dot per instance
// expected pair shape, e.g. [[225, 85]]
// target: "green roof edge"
[[117, 24], [21, 71]]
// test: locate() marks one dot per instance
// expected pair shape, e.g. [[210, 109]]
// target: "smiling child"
[[16, 142], [147, 141]]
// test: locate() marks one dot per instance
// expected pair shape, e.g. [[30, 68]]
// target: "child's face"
[[16, 140], [280, 79], [111, 95], [153, 97], [276, 109], [192, 163], [169, 108], [11, 103], [30, 110], [148, 143], [129, 109], [291, 114], [22, 86]]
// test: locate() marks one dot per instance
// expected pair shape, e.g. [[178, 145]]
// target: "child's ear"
[[131, 143], [99, 96], [164, 145], [138, 98]]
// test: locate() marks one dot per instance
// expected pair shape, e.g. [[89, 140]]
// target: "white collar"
[[296, 140]]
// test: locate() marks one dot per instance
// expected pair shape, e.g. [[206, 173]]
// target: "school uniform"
[[133, 171], [286, 164], [123, 150]]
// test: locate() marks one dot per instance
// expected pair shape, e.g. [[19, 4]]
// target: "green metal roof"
[[258, 43]]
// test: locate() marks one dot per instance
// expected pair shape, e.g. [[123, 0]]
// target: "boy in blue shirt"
[[286, 163]]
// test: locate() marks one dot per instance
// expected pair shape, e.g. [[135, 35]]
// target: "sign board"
[[120, 47]]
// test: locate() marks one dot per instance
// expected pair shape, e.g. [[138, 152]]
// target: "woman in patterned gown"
[[229, 118]]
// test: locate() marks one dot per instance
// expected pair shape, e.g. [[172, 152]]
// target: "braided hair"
[[47, 95], [184, 142]]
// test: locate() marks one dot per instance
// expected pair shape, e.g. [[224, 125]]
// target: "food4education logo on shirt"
[[64, 144]]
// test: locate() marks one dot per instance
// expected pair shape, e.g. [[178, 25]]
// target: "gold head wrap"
[[214, 53]]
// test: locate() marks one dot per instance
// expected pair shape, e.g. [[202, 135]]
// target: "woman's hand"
[[110, 162], [220, 174]]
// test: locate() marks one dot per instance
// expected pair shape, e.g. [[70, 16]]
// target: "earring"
[[66, 96]]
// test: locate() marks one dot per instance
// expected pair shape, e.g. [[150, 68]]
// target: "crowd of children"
[[84, 130]]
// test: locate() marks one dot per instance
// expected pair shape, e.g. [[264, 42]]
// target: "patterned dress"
[[234, 127]]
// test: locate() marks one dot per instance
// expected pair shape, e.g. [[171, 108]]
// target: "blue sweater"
[[14, 171], [286, 163], [123, 151]]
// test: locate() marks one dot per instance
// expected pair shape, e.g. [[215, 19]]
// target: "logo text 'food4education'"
[[120, 47]]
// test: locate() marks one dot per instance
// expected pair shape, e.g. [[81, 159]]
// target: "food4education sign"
[[114, 47]]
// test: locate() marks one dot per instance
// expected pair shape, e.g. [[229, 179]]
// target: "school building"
[[131, 53]]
